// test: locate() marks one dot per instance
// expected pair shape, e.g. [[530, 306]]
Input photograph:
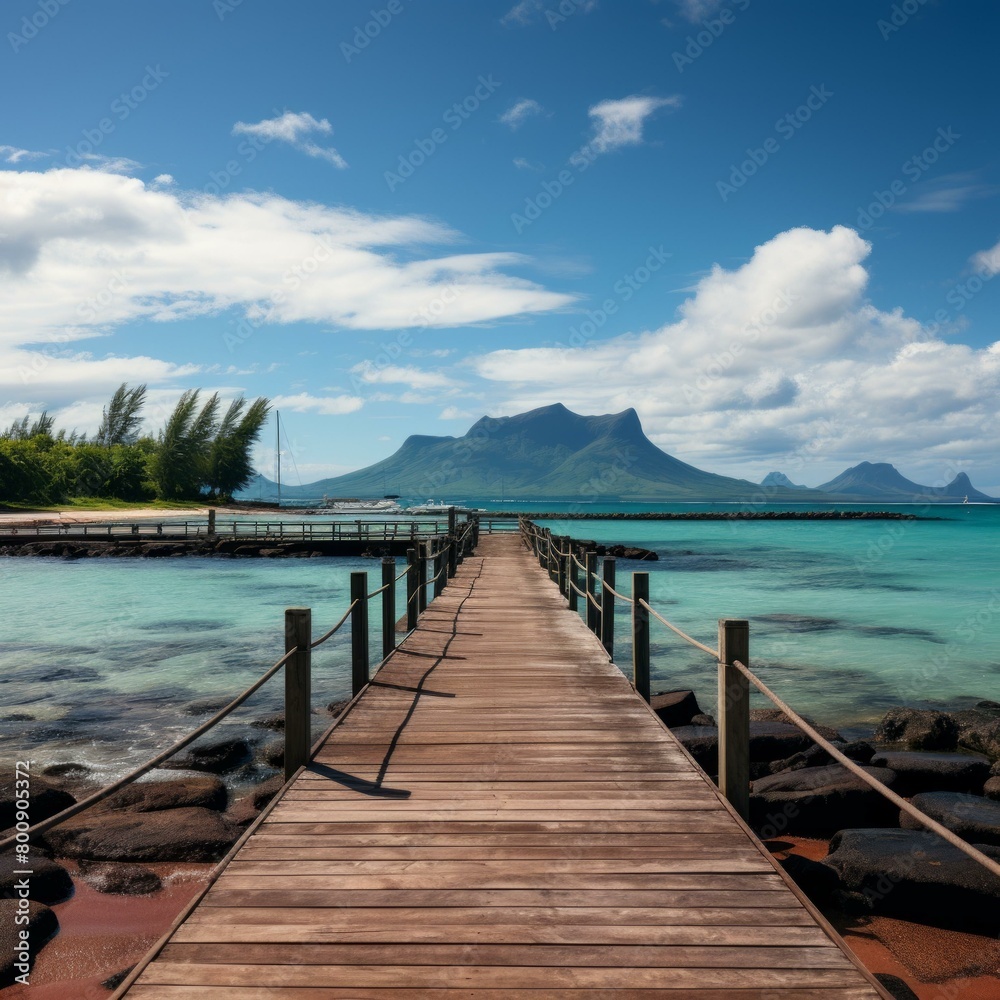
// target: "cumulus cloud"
[[415, 378], [528, 11], [988, 261], [517, 114], [85, 252], [783, 361], [619, 123], [697, 10], [454, 413], [296, 129], [13, 154], [327, 405]]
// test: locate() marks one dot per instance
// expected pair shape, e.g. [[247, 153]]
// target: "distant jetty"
[[713, 515]]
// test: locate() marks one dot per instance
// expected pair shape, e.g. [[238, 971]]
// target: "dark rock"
[[191, 790], [207, 706], [189, 834], [675, 708], [918, 771], [42, 926], [50, 883], [702, 742], [991, 708], [818, 801], [775, 740], [974, 818], [46, 799], [275, 722], [247, 550], [816, 880], [120, 879], [113, 982], [982, 737], [218, 757], [918, 729], [992, 789], [68, 770], [915, 875], [703, 720], [631, 552], [995, 769], [273, 553], [272, 754], [246, 809], [860, 751], [336, 707], [895, 987]]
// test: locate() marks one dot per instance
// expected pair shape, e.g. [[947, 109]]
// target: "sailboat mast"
[[277, 424]]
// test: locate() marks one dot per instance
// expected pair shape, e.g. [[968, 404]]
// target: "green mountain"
[[882, 481], [548, 453]]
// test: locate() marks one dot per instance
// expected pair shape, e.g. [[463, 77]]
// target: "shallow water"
[[98, 658]]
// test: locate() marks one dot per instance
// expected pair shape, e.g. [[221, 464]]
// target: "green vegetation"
[[196, 457]]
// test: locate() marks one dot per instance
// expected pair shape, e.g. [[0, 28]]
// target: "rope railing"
[[336, 628], [855, 769], [297, 664], [714, 653], [99, 796], [735, 677]]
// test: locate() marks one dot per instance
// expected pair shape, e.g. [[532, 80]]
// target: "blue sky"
[[771, 228]]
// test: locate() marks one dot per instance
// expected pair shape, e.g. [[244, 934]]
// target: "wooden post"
[[211, 522], [298, 696], [359, 631], [412, 586], [608, 607], [422, 578], [591, 588], [388, 605], [734, 715], [452, 520], [438, 575], [561, 540], [640, 635], [573, 582]]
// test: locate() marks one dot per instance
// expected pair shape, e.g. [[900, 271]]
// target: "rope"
[[375, 593], [593, 600], [611, 590], [582, 593], [580, 564], [99, 796], [673, 628], [325, 636], [931, 824]]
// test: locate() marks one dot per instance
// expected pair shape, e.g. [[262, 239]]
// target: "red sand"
[[102, 934], [936, 964]]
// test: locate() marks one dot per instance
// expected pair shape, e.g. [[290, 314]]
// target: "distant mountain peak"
[[780, 479]]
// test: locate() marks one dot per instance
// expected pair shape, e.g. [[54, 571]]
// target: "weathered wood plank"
[[500, 817]]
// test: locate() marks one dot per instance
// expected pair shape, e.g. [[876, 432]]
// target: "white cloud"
[[295, 128], [13, 154], [522, 164], [528, 11], [415, 378], [988, 261], [517, 114], [454, 413], [944, 199], [327, 405], [698, 10], [619, 123], [781, 360]]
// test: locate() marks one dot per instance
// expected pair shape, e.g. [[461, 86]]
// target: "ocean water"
[[100, 660]]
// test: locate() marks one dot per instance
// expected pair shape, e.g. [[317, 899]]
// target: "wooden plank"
[[499, 816]]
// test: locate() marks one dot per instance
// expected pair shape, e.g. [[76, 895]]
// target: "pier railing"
[[437, 556], [556, 554]]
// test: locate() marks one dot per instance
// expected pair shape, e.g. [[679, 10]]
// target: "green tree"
[[122, 416], [231, 468]]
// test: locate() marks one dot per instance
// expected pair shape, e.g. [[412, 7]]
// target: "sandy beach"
[[26, 518]]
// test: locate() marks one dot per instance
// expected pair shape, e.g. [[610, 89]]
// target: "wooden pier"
[[500, 815]]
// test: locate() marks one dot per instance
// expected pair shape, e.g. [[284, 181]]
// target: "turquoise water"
[[99, 657]]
